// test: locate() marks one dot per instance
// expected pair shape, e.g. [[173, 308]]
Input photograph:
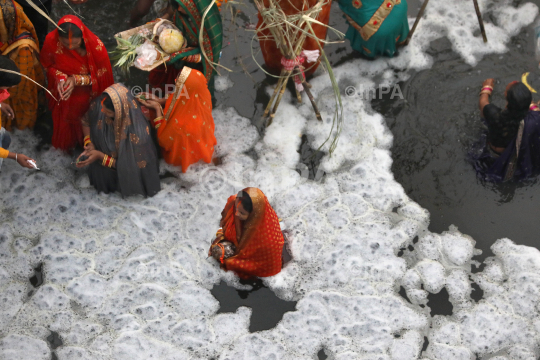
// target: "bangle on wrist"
[[488, 92]]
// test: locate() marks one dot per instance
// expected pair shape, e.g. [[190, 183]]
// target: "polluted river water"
[[375, 271]]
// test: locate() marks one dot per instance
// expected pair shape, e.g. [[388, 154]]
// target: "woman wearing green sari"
[[376, 27], [187, 16]]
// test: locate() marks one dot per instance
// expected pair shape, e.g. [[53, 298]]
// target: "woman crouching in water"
[[252, 226], [119, 149], [513, 140]]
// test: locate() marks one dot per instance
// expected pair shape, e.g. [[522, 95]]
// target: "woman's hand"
[[23, 161], [7, 110], [90, 147], [151, 104], [148, 96], [69, 86], [489, 82], [93, 155], [219, 237]]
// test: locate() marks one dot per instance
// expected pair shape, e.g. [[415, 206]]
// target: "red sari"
[[258, 240], [61, 62]]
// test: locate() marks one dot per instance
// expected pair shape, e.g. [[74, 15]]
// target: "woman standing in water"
[[252, 226], [376, 27], [118, 146], [185, 129], [512, 150], [78, 70]]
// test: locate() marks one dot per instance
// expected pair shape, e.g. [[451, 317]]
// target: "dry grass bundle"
[[289, 32]]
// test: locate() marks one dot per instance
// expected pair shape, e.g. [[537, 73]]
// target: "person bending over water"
[[252, 226], [185, 130], [512, 150], [120, 152]]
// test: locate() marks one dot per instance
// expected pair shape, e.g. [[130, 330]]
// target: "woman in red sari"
[[78, 70], [249, 222]]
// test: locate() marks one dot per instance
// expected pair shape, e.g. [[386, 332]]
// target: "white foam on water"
[[130, 278], [222, 83]]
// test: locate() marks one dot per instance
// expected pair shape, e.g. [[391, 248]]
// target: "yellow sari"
[[19, 41]]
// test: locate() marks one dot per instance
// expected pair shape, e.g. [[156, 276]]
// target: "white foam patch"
[[130, 278], [222, 83]]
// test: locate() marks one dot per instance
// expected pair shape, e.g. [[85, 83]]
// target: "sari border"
[[180, 81], [376, 21], [193, 11]]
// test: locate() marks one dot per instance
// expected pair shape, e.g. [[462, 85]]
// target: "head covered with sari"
[[212, 32], [127, 139], [258, 240], [69, 62], [19, 41]]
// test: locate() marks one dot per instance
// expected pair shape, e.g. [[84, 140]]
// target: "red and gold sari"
[[186, 134], [19, 41], [60, 62], [258, 240]]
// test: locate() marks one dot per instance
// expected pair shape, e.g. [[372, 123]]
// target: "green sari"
[[376, 27], [190, 26]]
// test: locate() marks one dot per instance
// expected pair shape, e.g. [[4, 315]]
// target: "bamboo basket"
[[150, 26]]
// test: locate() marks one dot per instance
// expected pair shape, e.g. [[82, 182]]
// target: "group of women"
[[123, 136]]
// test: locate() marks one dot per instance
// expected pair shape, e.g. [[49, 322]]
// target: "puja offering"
[[147, 46]]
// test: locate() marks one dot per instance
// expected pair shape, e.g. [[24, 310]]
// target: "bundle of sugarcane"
[[289, 33]]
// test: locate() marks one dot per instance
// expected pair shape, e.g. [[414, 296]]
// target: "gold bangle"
[[485, 92], [104, 162]]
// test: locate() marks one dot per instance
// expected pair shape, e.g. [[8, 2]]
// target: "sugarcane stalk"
[[273, 97], [420, 14], [307, 86], [280, 96], [480, 21], [298, 96]]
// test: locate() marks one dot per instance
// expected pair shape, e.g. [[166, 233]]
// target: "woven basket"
[[150, 26]]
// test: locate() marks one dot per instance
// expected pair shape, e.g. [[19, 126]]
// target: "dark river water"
[[433, 128]]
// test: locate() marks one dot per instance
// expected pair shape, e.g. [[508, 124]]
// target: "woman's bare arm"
[[484, 98]]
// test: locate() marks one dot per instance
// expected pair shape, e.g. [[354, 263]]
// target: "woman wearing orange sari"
[[78, 70], [252, 226], [20, 42], [185, 130]]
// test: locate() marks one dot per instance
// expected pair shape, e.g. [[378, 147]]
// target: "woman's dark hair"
[[519, 99], [8, 79], [107, 103], [69, 27], [245, 199]]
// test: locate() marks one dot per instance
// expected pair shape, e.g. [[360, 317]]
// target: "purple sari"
[[513, 164]]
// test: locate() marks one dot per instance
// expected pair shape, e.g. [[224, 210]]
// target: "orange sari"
[[19, 41], [186, 135], [258, 240]]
